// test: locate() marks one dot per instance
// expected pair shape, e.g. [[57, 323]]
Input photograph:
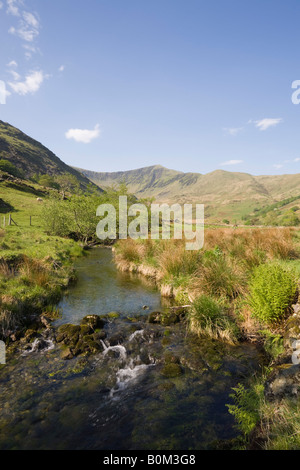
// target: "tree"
[[47, 181], [76, 216], [67, 183]]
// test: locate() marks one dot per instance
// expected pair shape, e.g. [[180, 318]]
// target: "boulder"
[[284, 382], [93, 321]]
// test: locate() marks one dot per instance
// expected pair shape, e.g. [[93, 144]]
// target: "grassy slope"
[[23, 238], [34, 267], [31, 156]]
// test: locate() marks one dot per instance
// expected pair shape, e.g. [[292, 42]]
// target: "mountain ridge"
[[223, 192], [32, 157]]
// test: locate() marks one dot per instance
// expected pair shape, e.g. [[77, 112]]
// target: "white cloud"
[[264, 124], [30, 19], [1, 5], [12, 63], [232, 162], [83, 135], [277, 166], [61, 68], [28, 25], [233, 130], [31, 84], [296, 160], [4, 93], [13, 7], [16, 75]]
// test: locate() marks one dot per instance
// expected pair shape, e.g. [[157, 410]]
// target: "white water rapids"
[[132, 368]]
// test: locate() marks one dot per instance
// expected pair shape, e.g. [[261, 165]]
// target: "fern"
[[246, 407], [272, 290]]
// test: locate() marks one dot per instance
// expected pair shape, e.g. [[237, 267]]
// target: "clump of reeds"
[[253, 244], [208, 317], [34, 272], [6, 271]]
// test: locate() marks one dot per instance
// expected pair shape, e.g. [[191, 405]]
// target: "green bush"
[[271, 292]]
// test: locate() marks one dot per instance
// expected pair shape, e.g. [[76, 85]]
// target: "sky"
[[193, 85]]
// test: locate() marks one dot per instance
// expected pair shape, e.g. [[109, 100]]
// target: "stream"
[[151, 387]]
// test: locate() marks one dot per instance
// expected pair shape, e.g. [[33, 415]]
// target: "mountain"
[[224, 193], [31, 156]]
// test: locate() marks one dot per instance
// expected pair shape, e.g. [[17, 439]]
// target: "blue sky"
[[192, 85]]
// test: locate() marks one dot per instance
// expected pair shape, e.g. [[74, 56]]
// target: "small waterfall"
[[135, 334], [127, 375], [39, 344], [132, 368], [120, 349]]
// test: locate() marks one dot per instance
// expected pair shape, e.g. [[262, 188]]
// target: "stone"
[[154, 317], [68, 334], [93, 321], [66, 354], [284, 382], [171, 370]]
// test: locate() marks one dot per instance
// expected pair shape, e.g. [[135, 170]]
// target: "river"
[[152, 387]]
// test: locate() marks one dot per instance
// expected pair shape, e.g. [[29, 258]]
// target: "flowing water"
[[151, 388]]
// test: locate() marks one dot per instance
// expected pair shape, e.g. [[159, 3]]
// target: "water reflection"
[[102, 289]]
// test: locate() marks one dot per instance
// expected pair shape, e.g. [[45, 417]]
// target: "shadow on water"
[[154, 388]]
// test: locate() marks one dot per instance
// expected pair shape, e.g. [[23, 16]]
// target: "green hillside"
[[31, 157]]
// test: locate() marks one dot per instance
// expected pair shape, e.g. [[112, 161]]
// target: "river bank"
[[145, 353], [149, 385], [266, 412]]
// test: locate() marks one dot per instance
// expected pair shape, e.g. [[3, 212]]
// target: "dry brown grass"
[[6, 271], [222, 267], [248, 325], [250, 244], [34, 272]]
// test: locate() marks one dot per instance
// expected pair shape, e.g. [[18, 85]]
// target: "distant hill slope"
[[31, 156], [224, 193]]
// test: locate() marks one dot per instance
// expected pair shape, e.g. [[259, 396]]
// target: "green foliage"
[[290, 219], [273, 343], [246, 407], [272, 289], [75, 217], [8, 167], [47, 181]]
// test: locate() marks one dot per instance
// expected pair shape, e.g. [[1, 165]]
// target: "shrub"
[[272, 289]]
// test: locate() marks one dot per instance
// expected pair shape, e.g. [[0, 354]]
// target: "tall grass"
[[253, 245], [222, 267], [35, 272], [6, 271], [220, 276], [208, 317]]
